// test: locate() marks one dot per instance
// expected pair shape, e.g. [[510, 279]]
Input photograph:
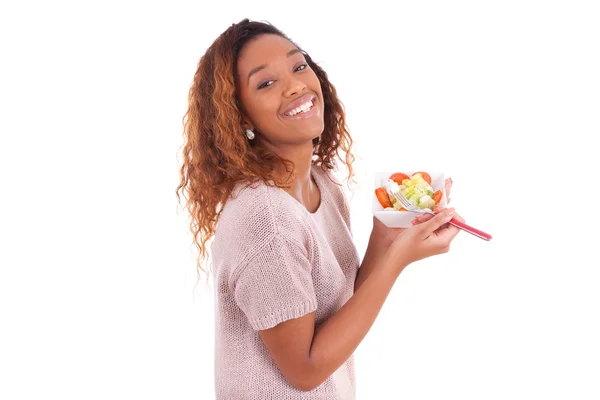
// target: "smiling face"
[[280, 93]]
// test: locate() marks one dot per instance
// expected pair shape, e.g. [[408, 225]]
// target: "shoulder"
[[250, 219]]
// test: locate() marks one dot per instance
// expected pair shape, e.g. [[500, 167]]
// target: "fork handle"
[[470, 229]]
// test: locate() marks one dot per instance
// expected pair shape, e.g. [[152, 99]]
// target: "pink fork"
[[461, 225]]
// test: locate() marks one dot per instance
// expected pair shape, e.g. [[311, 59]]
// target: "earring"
[[249, 134]]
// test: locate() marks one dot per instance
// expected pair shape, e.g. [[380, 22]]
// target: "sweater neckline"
[[321, 193]]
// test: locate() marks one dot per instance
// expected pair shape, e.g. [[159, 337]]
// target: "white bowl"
[[402, 219]]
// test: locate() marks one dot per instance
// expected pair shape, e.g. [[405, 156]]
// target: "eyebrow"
[[261, 67]]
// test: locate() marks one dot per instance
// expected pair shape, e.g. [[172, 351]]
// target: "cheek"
[[265, 110], [316, 85]]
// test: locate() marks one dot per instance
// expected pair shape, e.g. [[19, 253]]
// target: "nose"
[[294, 86]]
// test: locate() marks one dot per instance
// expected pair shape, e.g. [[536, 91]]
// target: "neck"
[[301, 187], [300, 155]]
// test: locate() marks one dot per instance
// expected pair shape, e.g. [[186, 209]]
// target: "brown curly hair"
[[216, 153]]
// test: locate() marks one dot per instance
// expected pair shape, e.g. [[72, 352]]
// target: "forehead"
[[263, 50]]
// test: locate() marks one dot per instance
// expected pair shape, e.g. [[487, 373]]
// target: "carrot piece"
[[437, 196], [383, 197]]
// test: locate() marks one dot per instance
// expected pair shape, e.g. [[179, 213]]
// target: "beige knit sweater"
[[273, 261]]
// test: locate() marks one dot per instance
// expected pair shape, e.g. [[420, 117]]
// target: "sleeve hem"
[[278, 316]]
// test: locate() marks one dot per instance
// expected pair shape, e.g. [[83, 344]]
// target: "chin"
[[315, 135]]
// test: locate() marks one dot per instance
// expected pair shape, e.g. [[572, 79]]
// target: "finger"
[[438, 208], [436, 222], [447, 234], [422, 218], [453, 229], [426, 217], [419, 219], [458, 217], [446, 225]]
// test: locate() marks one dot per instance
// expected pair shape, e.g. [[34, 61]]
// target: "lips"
[[298, 102]]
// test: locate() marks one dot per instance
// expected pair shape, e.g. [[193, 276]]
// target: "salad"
[[416, 188]]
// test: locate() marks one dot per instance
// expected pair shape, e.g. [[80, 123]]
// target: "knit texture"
[[273, 261]]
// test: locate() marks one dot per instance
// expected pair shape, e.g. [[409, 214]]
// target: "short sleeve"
[[275, 285]]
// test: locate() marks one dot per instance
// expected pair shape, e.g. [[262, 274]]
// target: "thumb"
[[434, 223]]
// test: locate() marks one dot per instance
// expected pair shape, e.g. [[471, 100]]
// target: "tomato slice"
[[398, 177], [437, 196], [383, 197], [425, 176]]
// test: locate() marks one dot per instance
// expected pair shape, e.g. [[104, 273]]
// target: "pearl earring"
[[249, 134]]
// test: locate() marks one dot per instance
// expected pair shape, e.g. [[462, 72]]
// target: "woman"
[[263, 131]]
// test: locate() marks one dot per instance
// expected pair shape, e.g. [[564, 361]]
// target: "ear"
[[247, 123]]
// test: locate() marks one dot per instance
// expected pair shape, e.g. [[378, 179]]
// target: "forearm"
[[337, 338], [374, 256]]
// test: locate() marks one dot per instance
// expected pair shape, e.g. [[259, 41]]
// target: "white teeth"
[[303, 108]]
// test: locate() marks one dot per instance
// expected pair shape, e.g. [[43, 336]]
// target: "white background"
[[97, 267]]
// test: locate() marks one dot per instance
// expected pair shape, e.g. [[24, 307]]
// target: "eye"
[[301, 67], [265, 84]]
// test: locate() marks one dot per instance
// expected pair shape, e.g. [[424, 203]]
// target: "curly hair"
[[216, 153]]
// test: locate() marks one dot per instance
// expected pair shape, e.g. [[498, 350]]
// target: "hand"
[[430, 235], [426, 217], [383, 235], [379, 243]]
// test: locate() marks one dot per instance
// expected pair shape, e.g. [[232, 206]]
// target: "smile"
[[304, 108]]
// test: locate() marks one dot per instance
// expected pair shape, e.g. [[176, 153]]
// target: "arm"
[[307, 356], [380, 240]]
